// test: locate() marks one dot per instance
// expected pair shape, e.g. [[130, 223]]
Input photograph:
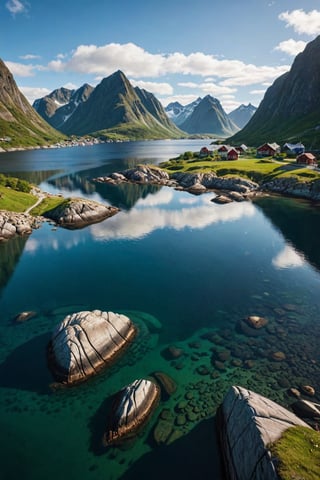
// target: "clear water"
[[186, 271]]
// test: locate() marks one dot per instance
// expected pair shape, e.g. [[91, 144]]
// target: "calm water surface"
[[186, 271]]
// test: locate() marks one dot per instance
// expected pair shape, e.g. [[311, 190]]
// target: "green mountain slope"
[[20, 124], [115, 107], [289, 111]]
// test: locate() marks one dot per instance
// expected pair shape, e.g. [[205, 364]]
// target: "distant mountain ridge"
[[60, 104], [20, 124], [112, 107], [241, 115], [179, 113], [289, 111], [208, 116]]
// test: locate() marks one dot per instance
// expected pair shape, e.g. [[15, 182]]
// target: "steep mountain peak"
[[208, 116], [114, 104], [289, 111], [18, 120]]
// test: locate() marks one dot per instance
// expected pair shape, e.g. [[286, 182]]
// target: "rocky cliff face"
[[289, 110], [248, 423], [18, 120]]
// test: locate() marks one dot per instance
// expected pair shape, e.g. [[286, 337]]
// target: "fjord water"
[[186, 271]]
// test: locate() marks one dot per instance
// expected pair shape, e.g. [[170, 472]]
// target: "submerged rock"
[[24, 316], [85, 342], [132, 408], [306, 409], [248, 423], [167, 384], [78, 213]]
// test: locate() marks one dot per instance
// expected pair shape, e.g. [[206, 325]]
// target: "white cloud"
[[29, 56], [153, 87], [302, 22], [20, 69], [70, 86], [291, 47], [183, 99], [252, 74], [32, 93], [288, 258], [257, 92], [138, 223], [134, 60], [15, 6]]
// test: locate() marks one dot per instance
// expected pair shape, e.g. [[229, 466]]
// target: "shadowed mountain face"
[[209, 117], [289, 110], [18, 120], [241, 115], [60, 104], [114, 106]]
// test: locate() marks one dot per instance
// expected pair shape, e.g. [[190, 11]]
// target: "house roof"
[[292, 146], [307, 155], [274, 146]]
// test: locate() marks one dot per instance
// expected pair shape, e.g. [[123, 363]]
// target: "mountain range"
[[289, 111], [114, 107], [211, 115], [20, 124]]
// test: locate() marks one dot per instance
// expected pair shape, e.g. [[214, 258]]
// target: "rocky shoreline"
[[233, 188], [73, 213]]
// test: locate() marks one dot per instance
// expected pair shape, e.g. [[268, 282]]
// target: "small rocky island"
[[71, 213], [132, 408], [86, 342], [195, 183], [76, 213]]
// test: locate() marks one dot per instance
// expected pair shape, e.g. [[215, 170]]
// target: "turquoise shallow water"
[[186, 271]]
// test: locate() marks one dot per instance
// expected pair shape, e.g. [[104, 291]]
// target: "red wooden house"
[[307, 159], [232, 154], [268, 149]]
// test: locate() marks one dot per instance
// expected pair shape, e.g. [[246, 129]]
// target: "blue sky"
[[177, 49]]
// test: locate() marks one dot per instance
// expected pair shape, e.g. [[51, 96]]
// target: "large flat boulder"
[[248, 423], [132, 408], [85, 342]]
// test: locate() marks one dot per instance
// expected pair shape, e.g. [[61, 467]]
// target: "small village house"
[[241, 148], [307, 159], [232, 154], [268, 150], [204, 152], [228, 153], [293, 149]]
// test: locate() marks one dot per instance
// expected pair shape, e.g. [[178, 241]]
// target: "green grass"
[[258, 170], [298, 454], [47, 204], [15, 201]]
